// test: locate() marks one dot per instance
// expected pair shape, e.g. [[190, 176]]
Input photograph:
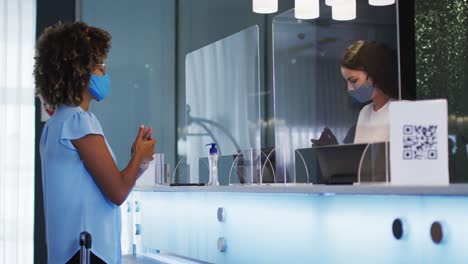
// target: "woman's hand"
[[143, 146], [326, 138], [148, 136]]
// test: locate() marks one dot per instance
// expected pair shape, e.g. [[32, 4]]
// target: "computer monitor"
[[339, 164]]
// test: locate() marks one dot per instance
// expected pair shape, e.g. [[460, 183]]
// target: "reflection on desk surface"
[[163, 258], [130, 259]]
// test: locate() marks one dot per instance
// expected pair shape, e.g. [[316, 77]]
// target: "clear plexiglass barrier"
[[315, 116], [223, 107]]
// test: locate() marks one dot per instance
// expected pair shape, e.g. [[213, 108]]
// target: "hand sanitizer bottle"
[[213, 165]]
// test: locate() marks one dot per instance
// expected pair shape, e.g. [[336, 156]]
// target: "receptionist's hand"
[[326, 138]]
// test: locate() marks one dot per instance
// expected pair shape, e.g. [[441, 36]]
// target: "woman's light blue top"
[[72, 201]]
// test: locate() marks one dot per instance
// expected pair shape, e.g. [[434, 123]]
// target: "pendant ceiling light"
[[306, 9], [334, 2], [344, 10], [265, 6], [381, 2]]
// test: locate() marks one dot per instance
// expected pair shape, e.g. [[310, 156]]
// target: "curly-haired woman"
[[82, 184]]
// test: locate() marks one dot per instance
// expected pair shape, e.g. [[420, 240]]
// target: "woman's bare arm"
[[114, 184]]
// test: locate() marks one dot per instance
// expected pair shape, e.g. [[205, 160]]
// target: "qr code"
[[419, 142]]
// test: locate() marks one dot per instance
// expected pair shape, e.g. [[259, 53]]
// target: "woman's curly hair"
[[66, 55]]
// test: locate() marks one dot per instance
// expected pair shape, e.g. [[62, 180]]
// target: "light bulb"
[[334, 2], [265, 6], [381, 2], [307, 9], [345, 10]]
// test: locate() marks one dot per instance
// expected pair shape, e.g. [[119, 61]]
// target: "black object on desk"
[[336, 164], [187, 184]]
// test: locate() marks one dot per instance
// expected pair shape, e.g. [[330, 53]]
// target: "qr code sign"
[[419, 142]]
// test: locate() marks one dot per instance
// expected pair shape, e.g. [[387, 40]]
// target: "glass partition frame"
[[223, 105], [310, 93]]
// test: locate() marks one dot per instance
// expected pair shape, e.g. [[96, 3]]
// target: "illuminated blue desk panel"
[[306, 224]]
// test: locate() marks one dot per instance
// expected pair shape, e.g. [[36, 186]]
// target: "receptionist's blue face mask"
[[99, 86], [362, 93]]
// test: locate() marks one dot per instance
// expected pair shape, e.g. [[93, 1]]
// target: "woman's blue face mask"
[[362, 93], [99, 86]]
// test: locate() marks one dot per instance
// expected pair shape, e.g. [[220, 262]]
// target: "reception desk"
[[306, 223]]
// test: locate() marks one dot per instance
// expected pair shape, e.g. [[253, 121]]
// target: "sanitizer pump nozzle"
[[213, 164]]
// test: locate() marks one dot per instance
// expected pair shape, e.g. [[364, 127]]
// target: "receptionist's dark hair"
[[66, 55], [379, 61]]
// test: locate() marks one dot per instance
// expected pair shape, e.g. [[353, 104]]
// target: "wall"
[[442, 70], [141, 64]]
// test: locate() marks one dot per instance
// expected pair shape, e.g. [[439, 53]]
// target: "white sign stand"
[[419, 142]]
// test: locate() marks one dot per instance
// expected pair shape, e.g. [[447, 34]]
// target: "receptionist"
[[370, 70], [371, 73]]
